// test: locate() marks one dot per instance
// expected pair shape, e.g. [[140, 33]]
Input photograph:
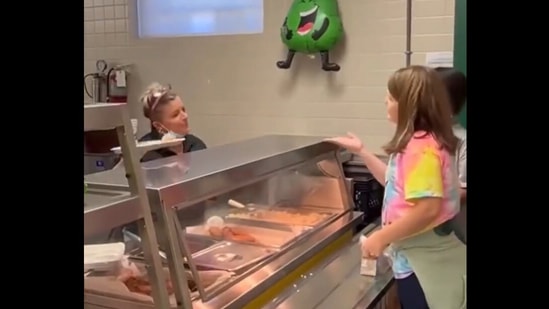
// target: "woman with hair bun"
[[168, 116]]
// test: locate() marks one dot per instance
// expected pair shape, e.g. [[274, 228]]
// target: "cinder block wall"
[[233, 89]]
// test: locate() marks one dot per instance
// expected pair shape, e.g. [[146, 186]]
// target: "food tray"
[[103, 257], [110, 286], [284, 215], [274, 236], [195, 244], [218, 256], [146, 146]]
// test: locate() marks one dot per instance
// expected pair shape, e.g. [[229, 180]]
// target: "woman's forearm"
[[374, 165]]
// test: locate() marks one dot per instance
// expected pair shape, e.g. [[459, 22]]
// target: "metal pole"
[[136, 183], [408, 51]]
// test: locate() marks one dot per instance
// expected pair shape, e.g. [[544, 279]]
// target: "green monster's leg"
[[285, 64], [326, 64]]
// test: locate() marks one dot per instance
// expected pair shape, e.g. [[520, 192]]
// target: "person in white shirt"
[[456, 84]]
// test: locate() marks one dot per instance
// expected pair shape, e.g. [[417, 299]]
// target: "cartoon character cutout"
[[311, 27]]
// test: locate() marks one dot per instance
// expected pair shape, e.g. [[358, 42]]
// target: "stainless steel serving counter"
[[337, 283], [289, 174]]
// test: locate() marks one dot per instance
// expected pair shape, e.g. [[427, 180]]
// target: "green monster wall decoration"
[[310, 27]]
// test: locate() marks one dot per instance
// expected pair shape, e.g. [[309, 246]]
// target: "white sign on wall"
[[439, 59]]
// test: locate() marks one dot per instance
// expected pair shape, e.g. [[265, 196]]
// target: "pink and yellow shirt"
[[422, 170]]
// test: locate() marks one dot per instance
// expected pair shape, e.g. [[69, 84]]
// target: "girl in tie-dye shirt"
[[421, 192]]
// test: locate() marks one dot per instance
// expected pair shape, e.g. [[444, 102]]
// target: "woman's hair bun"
[[150, 91]]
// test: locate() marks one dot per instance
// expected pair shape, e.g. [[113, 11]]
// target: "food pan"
[[275, 236], [230, 256], [285, 215], [196, 244]]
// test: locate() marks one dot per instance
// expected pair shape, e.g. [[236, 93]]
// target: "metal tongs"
[[137, 239]]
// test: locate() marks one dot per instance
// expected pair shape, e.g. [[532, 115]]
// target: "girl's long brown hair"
[[423, 105]]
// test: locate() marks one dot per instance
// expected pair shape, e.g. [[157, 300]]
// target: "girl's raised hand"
[[350, 142]]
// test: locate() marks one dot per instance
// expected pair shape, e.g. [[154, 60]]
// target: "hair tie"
[[157, 96]]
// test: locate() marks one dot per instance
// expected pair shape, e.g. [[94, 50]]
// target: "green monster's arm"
[[317, 33], [285, 32], [326, 9]]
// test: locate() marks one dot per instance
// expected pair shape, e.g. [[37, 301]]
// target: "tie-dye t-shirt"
[[422, 170]]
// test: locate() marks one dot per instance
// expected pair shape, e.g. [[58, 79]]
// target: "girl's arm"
[[420, 216], [422, 173], [463, 196], [374, 165], [462, 170]]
